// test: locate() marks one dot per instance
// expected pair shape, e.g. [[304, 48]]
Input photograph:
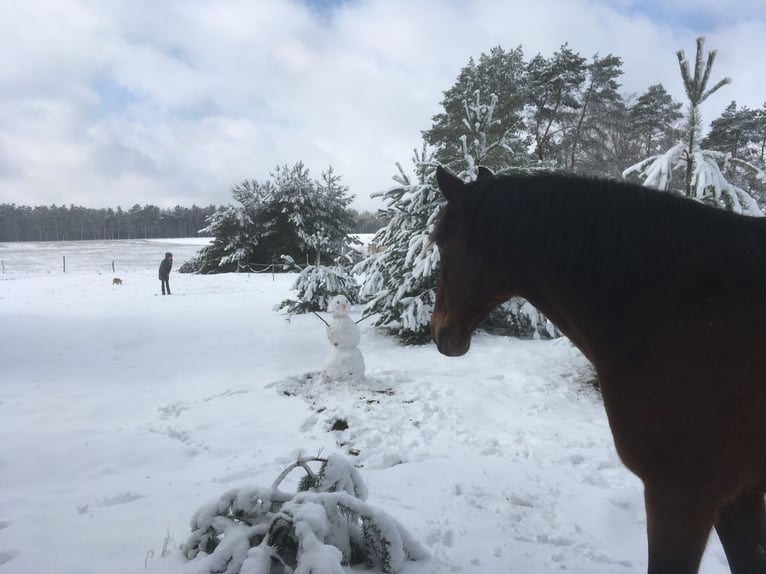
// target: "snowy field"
[[122, 411]]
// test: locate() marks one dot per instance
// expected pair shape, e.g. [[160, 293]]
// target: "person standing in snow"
[[165, 266]]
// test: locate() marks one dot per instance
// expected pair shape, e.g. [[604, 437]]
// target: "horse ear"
[[452, 187], [485, 172]]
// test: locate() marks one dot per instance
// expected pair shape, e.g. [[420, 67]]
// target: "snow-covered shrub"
[[326, 524], [317, 284]]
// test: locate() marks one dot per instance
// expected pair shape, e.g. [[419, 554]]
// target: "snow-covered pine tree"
[[498, 72], [700, 171], [654, 119], [317, 283], [399, 282], [289, 215], [236, 233], [741, 132], [305, 218]]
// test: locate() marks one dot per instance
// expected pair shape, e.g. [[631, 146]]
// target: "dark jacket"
[[165, 267]]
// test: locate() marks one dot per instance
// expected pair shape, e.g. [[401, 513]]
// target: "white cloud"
[[117, 103]]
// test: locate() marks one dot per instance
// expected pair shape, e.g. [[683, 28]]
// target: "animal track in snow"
[[179, 434], [122, 498], [227, 393]]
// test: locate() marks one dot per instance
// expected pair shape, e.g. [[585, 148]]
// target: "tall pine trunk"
[[690, 148]]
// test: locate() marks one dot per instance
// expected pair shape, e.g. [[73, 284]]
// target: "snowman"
[[346, 363]]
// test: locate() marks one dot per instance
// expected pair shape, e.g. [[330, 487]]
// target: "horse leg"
[[678, 524], [741, 526]]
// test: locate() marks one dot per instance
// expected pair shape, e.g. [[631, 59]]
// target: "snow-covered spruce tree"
[[235, 231], [700, 171], [325, 525], [290, 215], [399, 282], [317, 283]]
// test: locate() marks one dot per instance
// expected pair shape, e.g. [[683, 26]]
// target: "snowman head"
[[339, 306]]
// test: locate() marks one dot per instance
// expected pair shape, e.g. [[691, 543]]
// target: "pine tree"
[[290, 216], [702, 170], [553, 96], [654, 120], [236, 233], [398, 282], [598, 100], [501, 73], [741, 134]]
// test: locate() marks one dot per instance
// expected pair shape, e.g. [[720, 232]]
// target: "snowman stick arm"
[[321, 318], [367, 316]]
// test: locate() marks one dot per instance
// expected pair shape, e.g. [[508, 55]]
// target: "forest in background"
[[75, 223]]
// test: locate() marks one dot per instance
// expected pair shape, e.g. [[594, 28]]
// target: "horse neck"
[[592, 298]]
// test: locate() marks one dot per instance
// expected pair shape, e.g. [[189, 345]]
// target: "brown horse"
[[667, 298]]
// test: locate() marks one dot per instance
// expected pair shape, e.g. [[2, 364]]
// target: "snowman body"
[[346, 362]]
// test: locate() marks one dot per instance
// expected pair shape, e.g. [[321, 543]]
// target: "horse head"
[[468, 287]]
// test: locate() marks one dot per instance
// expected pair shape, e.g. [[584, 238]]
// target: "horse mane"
[[614, 235]]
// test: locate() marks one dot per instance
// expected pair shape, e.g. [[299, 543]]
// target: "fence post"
[[64, 258], [112, 265]]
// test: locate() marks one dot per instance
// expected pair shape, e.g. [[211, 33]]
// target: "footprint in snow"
[[173, 410]]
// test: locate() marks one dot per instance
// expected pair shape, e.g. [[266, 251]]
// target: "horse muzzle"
[[448, 345]]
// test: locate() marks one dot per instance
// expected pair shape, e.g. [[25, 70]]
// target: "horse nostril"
[[443, 341]]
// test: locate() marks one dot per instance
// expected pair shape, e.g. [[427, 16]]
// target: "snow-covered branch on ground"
[[324, 526]]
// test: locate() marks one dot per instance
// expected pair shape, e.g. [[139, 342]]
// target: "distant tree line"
[[75, 223]]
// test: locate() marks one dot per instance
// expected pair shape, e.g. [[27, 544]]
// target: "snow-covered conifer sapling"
[[324, 525]]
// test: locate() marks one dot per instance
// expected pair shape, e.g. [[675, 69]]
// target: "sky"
[[107, 103]]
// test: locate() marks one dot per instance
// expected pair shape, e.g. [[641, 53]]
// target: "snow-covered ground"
[[122, 412]]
